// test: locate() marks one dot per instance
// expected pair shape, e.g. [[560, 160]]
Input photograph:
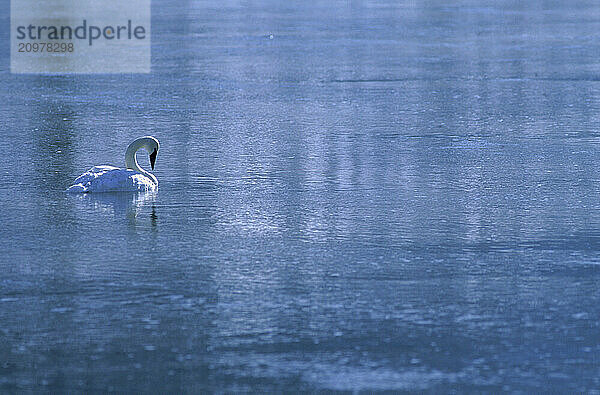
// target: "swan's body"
[[112, 179]]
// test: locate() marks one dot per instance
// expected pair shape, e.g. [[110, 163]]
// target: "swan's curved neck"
[[131, 161]]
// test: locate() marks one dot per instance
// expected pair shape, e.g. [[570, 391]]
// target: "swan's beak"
[[153, 158]]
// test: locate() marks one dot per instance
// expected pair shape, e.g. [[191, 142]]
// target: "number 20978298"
[[46, 47]]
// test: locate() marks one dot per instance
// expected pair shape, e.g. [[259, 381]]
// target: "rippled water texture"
[[364, 195]]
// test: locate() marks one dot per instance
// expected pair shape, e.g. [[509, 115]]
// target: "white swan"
[[113, 179]]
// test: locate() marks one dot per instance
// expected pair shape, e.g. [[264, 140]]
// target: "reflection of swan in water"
[[117, 203], [113, 179]]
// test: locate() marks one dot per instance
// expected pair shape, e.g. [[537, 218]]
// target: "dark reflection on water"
[[353, 196]]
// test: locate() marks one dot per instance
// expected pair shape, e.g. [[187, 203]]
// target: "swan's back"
[[111, 179]]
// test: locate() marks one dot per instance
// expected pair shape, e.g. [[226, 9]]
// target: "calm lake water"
[[353, 196]]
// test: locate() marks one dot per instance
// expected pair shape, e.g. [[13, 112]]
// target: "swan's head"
[[152, 146], [149, 143]]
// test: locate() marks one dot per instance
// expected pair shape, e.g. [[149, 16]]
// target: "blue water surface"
[[363, 195]]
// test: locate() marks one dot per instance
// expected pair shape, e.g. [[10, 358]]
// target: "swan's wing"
[[92, 174], [111, 179], [114, 180], [83, 182], [102, 169]]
